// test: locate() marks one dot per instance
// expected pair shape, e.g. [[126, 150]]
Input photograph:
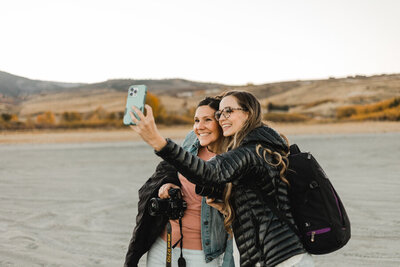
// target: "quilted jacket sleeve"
[[221, 169]]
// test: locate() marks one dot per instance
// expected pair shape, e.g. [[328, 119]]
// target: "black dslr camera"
[[173, 207], [216, 192]]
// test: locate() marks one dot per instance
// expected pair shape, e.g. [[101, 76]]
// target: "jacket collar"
[[267, 136]]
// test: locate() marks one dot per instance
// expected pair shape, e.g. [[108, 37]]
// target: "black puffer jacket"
[[148, 228], [260, 235]]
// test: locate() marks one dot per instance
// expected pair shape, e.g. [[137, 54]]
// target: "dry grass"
[[383, 110], [286, 117]]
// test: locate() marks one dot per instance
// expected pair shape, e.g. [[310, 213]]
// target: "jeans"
[[156, 256], [301, 260]]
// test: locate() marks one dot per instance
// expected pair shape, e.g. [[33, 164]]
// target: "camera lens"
[[131, 94], [131, 89], [155, 207]]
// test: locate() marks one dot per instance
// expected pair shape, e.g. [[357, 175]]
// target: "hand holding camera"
[[164, 189]]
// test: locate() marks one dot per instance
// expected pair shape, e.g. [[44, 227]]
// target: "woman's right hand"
[[147, 128], [163, 191]]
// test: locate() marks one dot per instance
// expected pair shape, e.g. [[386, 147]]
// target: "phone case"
[[136, 97]]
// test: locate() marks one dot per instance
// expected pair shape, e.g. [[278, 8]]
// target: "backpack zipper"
[[337, 204], [318, 232]]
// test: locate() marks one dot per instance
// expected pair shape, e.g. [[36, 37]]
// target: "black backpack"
[[321, 220]]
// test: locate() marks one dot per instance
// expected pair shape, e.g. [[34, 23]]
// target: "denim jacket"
[[214, 238]]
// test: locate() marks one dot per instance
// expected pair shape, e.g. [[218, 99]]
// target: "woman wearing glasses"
[[254, 165], [205, 241]]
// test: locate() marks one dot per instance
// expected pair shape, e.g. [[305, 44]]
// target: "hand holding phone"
[[136, 97]]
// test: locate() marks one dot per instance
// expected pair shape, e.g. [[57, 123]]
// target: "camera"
[[173, 207], [133, 91], [216, 192]]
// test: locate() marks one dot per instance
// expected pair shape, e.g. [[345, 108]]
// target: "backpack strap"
[[270, 203], [294, 149], [280, 215]]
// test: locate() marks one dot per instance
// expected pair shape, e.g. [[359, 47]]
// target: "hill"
[[17, 86], [20, 87], [25, 96], [316, 98], [323, 97]]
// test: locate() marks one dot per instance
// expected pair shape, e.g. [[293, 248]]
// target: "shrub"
[[173, 119], [285, 117], [71, 116], [6, 117], [153, 101], [383, 110], [392, 114], [46, 118], [345, 112], [272, 106]]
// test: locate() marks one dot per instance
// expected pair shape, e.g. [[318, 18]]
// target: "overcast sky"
[[226, 41]]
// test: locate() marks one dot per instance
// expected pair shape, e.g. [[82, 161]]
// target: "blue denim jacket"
[[214, 238]]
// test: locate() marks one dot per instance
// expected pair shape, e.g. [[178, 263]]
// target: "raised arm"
[[221, 169]]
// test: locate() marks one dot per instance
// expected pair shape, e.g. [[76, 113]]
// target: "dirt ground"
[[178, 132]]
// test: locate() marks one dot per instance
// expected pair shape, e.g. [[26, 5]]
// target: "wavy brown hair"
[[280, 157], [250, 103]]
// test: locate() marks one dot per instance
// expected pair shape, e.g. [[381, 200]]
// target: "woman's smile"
[[235, 119], [205, 126]]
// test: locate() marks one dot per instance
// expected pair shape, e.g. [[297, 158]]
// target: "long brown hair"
[[250, 103]]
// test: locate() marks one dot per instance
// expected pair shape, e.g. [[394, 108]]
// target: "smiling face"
[[206, 126], [236, 119]]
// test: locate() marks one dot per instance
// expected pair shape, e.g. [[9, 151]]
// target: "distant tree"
[[98, 114], [153, 101], [30, 121], [6, 116], [272, 106], [120, 115], [14, 118], [71, 116], [190, 113], [46, 118], [345, 112], [112, 116]]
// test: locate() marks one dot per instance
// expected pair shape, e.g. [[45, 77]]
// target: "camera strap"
[[169, 234], [181, 260]]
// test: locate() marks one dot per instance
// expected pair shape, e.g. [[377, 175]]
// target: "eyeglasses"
[[226, 112]]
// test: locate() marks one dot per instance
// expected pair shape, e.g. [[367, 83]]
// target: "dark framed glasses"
[[226, 112]]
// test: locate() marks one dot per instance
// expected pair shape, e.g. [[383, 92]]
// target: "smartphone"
[[136, 97]]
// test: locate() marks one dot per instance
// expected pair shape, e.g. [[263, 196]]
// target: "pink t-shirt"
[[191, 221]]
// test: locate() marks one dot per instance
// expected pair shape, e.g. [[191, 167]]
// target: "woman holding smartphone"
[[205, 241], [255, 165]]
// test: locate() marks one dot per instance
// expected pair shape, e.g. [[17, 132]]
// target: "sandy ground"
[[178, 132], [74, 204]]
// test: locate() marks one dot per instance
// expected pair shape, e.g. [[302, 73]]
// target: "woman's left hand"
[[147, 128]]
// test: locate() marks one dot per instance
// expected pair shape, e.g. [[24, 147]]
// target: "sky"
[[225, 41]]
